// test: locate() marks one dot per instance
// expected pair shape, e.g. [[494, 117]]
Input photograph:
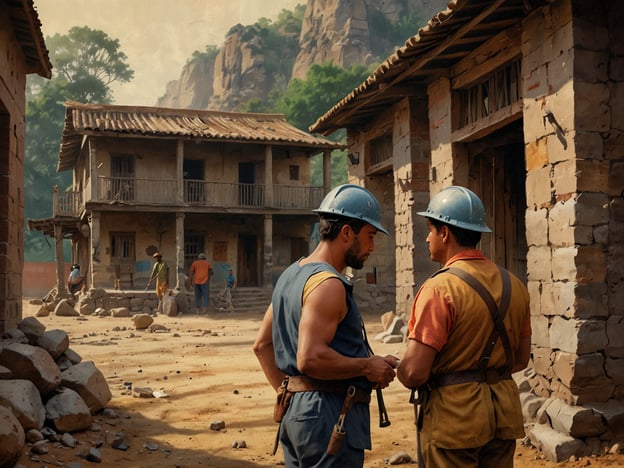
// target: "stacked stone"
[[573, 93], [43, 381]]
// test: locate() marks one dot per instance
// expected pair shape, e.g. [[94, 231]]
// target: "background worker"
[[469, 406], [75, 280], [199, 275], [160, 273], [312, 334], [230, 283]]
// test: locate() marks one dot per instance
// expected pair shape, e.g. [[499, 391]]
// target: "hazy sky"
[[158, 36]]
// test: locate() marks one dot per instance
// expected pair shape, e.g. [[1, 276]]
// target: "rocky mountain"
[[256, 59]]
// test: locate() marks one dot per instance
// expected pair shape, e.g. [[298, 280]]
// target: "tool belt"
[[301, 383], [490, 376]]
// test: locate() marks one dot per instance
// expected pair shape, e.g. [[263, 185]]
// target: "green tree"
[[306, 100], [85, 63]]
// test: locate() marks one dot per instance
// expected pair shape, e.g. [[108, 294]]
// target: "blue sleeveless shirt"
[[349, 341]]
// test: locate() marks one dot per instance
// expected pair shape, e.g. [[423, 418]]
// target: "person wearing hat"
[[75, 280], [468, 331], [311, 344], [199, 276], [160, 273]]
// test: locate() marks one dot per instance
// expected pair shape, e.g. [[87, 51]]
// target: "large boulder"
[[89, 383], [54, 342], [31, 363], [23, 398], [68, 412], [11, 438]]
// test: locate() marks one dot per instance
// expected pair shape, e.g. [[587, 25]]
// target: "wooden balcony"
[[195, 193]]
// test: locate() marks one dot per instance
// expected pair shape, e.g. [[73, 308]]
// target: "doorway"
[[247, 267], [194, 187], [497, 173]]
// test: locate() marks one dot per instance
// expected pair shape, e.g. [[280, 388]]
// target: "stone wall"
[[572, 65], [12, 114]]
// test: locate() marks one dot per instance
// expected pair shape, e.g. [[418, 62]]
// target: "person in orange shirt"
[[469, 330], [199, 275]]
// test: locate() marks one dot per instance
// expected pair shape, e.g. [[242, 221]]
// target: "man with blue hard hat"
[[312, 346], [468, 331]]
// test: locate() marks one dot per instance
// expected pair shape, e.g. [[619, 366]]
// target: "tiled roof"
[[110, 120], [448, 37], [27, 28]]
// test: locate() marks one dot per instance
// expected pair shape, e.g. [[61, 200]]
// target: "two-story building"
[[236, 186]]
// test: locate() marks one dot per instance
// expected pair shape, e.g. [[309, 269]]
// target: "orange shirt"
[[200, 271]]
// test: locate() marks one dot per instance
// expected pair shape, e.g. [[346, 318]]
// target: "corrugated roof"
[[448, 37], [110, 120], [27, 28]]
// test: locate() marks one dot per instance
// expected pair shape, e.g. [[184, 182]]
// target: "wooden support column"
[[268, 176], [93, 173], [326, 171], [95, 247], [267, 270], [179, 268], [180, 172], [58, 257]]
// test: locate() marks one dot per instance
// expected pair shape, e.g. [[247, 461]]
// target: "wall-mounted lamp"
[[354, 158]]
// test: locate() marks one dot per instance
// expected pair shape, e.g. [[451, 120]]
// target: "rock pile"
[[46, 390]]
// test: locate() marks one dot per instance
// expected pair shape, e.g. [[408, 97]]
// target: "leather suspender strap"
[[483, 373]]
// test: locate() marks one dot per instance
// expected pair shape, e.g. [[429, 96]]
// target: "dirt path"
[[207, 370]]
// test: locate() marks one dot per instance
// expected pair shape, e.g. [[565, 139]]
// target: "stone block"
[[588, 145], [613, 413], [540, 335], [591, 208], [67, 411], [575, 421], [563, 366], [564, 178], [560, 147], [589, 36], [591, 300], [535, 293], [591, 66], [538, 185], [539, 267], [617, 102], [536, 154], [600, 390], [23, 398], [31, 363], [558, 298], [577, 336], [615, 265], [542, 360], [557, 447], [12, 438], [588, 368], [592, 175], [615, 185], [615, 337], [561, 65], [534, 124], [530, 404], [615, 370], [536, 226], [563, 263]]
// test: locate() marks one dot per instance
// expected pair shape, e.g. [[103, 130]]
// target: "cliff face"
[[352, 32], [249, 64]]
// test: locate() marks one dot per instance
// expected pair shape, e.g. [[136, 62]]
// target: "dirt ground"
[[207, 370]]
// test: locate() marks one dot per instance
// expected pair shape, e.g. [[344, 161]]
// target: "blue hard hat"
[[457, 206], [353, 201]]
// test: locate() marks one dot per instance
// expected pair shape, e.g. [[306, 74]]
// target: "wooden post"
[[268, 176], [58, 256]]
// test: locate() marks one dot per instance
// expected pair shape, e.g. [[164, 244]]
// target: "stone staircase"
[[246, 299]]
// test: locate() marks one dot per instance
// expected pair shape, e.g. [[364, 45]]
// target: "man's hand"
[[380, 370]]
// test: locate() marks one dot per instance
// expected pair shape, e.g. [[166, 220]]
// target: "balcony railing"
[[66, 203], [194, 193]]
